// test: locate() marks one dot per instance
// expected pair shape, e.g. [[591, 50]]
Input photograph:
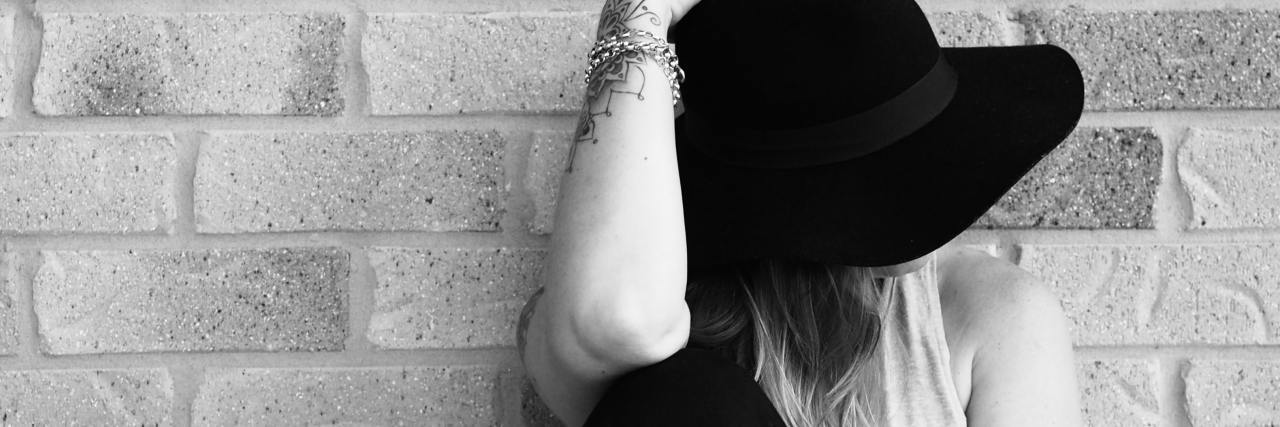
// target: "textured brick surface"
[[1232, 177], [412, 396], [450, 298], [1233, 393], [117, 64], [1218, 294], [132, 397], [1120, 392], [547, 160], [447, 64], [135, 301], [1097, 178], [968, 28], [1144, 60], [102, 183], [430, 181]]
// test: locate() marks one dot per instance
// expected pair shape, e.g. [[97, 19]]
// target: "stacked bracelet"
[[664, 53]]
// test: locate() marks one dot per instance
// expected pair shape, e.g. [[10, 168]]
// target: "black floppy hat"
[[839, 131]]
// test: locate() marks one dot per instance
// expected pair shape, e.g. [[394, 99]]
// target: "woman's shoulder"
[[986, 304]]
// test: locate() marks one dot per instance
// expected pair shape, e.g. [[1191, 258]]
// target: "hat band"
[[832, 142]]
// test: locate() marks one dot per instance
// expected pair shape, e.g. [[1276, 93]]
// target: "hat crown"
[[754, 64]]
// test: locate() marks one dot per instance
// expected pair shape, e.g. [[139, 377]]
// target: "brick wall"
[[269, 212]]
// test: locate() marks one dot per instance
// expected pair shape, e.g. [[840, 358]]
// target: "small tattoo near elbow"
[[522, 328]]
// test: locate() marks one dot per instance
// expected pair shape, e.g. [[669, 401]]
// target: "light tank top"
[[919, 389]]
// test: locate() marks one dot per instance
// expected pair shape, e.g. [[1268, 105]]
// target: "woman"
[[703, 270]]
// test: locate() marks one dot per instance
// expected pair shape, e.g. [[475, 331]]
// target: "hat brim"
[[1012, 106]]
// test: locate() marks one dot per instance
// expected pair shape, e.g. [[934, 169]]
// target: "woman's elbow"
[[630, 334]]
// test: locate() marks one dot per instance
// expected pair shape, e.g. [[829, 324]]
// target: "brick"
[[401, 181], [1097, 178], [1160, 60], [547, 160], [534, 412], [124, 397], [455, 63], [226, 63], [1119, 392], [1188, 294], [969, 29], [1233, 393], [409, 396], [87, 183], [450, 298], [290, 299], [1232, 177]]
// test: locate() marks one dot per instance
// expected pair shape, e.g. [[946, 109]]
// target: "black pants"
[[691, 388]]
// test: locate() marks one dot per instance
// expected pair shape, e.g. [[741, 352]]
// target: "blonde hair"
[[810, 332]]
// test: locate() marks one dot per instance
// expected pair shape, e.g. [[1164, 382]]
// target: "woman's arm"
[[614, 280]]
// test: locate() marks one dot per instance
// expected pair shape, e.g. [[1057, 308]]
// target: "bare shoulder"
[[1008, 330], [976, 286]]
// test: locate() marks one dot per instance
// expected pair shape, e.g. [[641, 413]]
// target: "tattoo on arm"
[[622, 76], [526, 315]]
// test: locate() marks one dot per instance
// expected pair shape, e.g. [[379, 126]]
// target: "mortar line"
[[1209, 351], [362, 286], [425, 240], [519, 205], [188, 147], [353, 359], [1117, 237], [1173, 400], [26, 324], [1173, 204], [1100, 5], [271, 124], [357, 84], [27, 33], [186, 385], [268, 6]]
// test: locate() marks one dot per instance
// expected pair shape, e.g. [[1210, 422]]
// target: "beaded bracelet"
[[664, 53]]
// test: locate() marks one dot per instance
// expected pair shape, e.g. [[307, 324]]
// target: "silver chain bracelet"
[[664, 53]]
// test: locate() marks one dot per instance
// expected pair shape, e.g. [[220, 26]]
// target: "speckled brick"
[[124, 64], [450, 298], [1233, 392], [410, 396], [1097, 178], [1186, 294], [214, 300], [547, 160], [1232, 177], [1119, 392], [454, 63], [377, 181], [1156, 60], [534, 412], [86, 183], [8, 309], [970, 28], [125, 397]]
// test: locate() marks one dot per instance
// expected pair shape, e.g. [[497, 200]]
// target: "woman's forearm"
[[615, 275]]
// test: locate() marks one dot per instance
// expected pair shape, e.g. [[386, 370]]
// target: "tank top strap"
[[919, 389]]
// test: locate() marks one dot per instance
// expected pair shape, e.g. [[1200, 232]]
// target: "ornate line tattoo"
[[522, 328], [623, 75], [616, 15]]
